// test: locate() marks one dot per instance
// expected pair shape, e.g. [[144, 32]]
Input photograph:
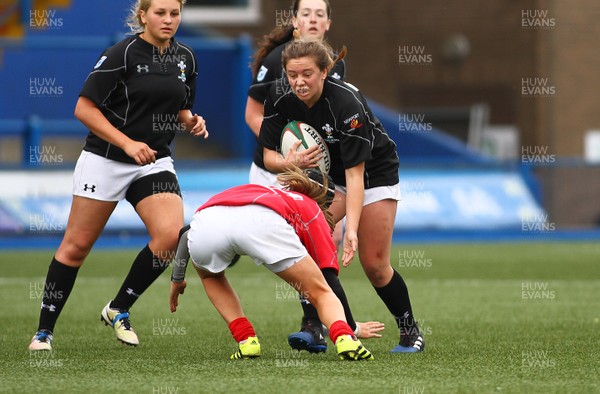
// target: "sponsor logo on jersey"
[[144, 68], [261, 73], [355, 124], [102, 59], [350, 119], [336, 76], [353, 121]]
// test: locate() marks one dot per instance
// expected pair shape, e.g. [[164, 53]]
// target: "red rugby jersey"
[[300, 211]]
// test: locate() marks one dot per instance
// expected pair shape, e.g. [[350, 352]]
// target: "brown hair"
[[321, 52], [278, 36], [134, 21], [294, 179]]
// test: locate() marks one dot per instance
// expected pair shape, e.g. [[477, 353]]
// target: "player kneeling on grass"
[[287, 231]]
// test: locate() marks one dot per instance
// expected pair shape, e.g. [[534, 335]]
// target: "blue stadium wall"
[[447, 188]]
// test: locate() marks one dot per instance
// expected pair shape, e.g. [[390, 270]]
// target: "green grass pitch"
[[504, 318]]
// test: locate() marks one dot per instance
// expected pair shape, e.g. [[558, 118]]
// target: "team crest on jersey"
[[102, 59], [182, 68], [261, 73], [329, 134]]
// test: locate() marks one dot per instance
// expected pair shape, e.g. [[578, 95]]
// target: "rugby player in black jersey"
[[364, 167], [137, 97], [307, 18]]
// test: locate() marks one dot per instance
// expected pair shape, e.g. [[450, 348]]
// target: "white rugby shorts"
[[218, 233], [377, 193], [103, 179]]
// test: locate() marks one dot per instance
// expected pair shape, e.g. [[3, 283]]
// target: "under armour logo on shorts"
[[92, 188]]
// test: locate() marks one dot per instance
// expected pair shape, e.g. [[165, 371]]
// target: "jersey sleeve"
[[272, 124], [190, 83], [269, 71], [106, 74], [356, 140], [339, 70], [259, 91]]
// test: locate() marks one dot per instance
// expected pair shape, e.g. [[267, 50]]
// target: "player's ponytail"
[[276, 37], [296, 180], [341, 55]]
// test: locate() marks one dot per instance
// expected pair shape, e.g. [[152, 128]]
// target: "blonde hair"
[[296, 180], [134, 21]]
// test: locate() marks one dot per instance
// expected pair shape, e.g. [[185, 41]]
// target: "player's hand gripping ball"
[[296, 130]]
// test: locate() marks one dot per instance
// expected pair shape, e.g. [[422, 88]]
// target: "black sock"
[[396, 298], [59, 283], [144, 271], [310, 312], [334, 282]]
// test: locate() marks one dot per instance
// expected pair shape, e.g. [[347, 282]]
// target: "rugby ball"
[[297, 130]]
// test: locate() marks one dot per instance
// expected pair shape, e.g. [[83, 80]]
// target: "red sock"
[[241, 329], [339, 328]]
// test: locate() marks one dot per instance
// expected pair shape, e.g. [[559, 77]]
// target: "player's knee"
[[74, 251], [379, 274], [164, 244]]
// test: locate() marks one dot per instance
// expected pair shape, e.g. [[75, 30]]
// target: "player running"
[[136, 98], [286, 231], [364, 166], [310, 18]]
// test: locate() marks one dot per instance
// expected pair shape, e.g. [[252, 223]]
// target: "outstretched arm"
[[182, 256]]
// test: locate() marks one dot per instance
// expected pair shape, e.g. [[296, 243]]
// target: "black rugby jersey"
[[270, 71], [141, 91], [343, 118]]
